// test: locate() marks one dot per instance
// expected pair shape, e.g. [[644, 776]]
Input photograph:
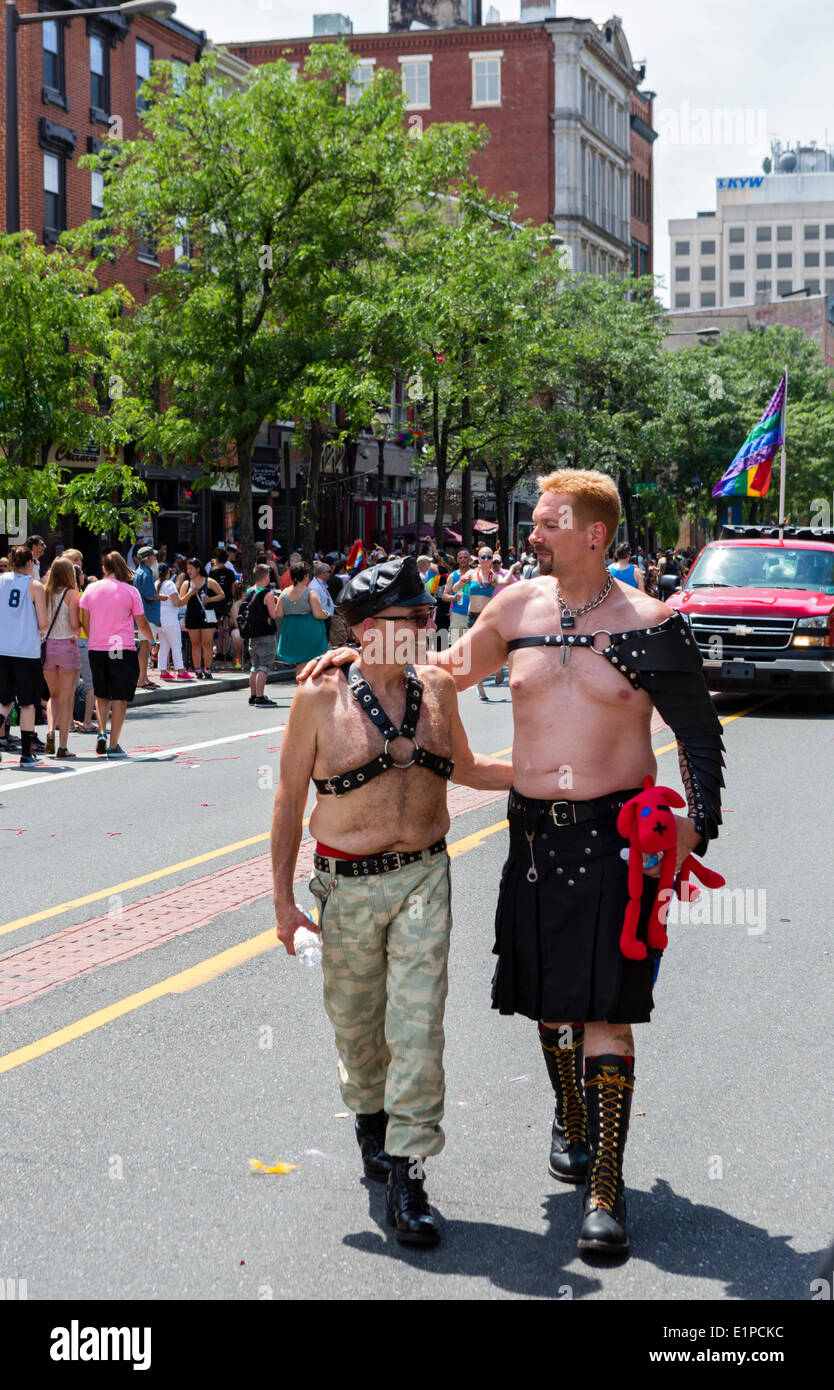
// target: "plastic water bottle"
[[307, 945], [650, 861]]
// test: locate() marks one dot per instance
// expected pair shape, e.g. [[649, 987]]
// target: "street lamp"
[[156, 9], [696, 488], [381, 425]]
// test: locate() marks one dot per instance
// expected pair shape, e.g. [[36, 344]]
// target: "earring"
[[593, 547]]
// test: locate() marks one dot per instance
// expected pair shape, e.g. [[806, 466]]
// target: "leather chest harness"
[[343, 782]]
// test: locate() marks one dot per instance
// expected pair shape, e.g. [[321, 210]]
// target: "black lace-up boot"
[[408, 1207], [609, 1085], [370, 1136], [569, 1140]]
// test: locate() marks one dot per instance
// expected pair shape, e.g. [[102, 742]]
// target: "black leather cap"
[[393, 584]]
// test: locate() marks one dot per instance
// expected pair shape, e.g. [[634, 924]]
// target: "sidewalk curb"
[[192, 690]]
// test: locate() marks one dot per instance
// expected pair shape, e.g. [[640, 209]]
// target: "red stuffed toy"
[[648, 823]]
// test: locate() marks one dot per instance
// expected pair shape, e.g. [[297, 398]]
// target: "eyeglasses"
[[421, 619]]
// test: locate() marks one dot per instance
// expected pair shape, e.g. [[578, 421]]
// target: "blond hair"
[[594, 495], [61, 576]]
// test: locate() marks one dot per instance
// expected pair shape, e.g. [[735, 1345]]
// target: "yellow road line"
[[132, 883], [224, 961], [728, 719], [191, 978]]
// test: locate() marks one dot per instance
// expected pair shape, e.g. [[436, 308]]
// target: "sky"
[[766, 61]]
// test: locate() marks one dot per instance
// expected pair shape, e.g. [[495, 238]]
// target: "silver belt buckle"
[[558, 808], [329, 784]]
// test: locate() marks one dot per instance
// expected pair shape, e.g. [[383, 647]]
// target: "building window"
[[363, 76], [784, 287], [812, 286], [736, 263], [146, 246], [764, 233], [707, 272], [737, 289], [179, 76], [54, 194], [829, 287], [681, 248], [144, 57], [416, 83], [812, 232], [784, 233], [763, 262], [708, 299], [812, 258], [829, 231], [784, 260], [681, 301], [182, 245], [829, 258], [486, 79], [763, 285], [97, 193], [52, 35], [682, 273], [707, 248], [736, 234], [99, 77]]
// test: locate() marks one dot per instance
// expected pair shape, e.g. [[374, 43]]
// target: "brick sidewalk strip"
[[139, 926]]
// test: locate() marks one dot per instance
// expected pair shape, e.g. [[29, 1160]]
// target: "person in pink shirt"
[[108, 610]]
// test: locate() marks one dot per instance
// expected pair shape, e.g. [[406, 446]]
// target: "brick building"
[[78, 79], [558, 95], [643, 137]]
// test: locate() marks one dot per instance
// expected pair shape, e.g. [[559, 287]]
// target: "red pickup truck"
[[761, 609]]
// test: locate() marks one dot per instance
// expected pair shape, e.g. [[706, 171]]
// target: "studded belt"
[[380, 864], [564, 813]]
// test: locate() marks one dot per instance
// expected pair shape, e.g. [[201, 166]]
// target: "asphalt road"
[[126, 1136]]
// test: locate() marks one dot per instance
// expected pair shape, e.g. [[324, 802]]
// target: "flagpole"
[[782, 470]]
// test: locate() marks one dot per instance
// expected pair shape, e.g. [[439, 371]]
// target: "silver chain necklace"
[[568, 615]]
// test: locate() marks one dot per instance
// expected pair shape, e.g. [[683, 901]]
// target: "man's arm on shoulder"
[[471, 769], [479, 652]]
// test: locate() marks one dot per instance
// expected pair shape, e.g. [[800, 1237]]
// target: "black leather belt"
[[564, 813], [381, 864]]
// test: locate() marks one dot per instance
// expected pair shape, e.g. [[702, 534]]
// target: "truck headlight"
[[811, 632]]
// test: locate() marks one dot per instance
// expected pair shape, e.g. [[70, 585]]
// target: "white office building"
[[771, 235]]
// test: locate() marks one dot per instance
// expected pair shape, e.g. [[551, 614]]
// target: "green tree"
[[282, 194], [55, 335]]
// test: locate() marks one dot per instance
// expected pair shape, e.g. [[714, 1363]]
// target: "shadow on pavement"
[[669, 1232]]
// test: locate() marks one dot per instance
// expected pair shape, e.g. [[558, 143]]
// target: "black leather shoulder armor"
[[666, 662]]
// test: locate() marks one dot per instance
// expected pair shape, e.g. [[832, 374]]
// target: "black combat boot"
[[370, 1136], [408, 1207], [569, 1141], [609, 1085]]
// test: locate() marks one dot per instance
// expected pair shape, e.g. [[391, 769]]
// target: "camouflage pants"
[[385, 949]]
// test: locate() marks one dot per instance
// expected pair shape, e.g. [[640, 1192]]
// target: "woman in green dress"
[[303, 633]]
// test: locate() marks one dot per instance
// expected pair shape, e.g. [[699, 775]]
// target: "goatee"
[[545, 560]]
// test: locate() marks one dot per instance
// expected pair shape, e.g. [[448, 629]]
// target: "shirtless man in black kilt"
[[589, 659]]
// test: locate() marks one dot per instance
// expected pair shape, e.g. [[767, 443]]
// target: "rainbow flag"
[[357, 559], [749, 473]]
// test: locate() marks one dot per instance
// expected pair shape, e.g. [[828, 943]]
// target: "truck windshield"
[[764, 567]]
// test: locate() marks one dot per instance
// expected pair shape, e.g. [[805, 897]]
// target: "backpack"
[[253, 619]]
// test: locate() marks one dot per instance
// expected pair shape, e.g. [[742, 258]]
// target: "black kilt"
[[558, 939]]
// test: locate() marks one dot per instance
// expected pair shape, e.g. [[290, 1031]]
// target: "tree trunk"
[[247, 529], [625, 494], [310, 505], [466, 504], [502, 514]]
